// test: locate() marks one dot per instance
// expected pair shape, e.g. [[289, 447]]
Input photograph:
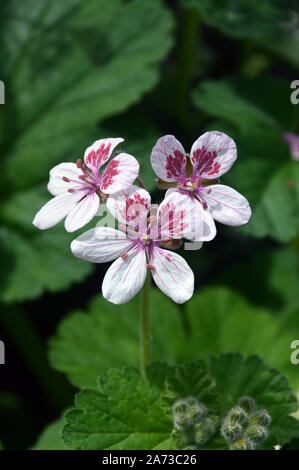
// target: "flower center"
[[87, 180], [145, 239], [190, 185]]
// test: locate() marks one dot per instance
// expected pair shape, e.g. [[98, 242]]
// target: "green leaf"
[[220, 99], [271, 277], [71, 66], [277, 212], [87, 345], [67, 66], [128, 412], [264, 172], [219, 320], [50, 438], [269, 24], [236, 377], [140, 136], [37, 262], [125, 411]]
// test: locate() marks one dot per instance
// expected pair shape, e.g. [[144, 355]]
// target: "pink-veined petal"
[[100, 151], [202, 226], [101, 244], [56, 209], [168, 159], [207, 227], [177, 217], [119, 174], [172, 275], [57, 185], [125, 277], [226, 205], [213, 154], [130, 206], [82, 213]]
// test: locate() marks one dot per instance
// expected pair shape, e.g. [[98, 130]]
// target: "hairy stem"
[[145, 325]]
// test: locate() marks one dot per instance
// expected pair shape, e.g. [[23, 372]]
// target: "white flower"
[[195, 178], [139, 248], [80, 188]]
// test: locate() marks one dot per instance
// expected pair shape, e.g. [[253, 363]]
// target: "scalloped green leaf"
[[236, 377], [125, 412], [219, 319], [129, 412]]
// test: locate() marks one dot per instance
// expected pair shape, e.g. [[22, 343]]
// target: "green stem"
[[186, 60], [145, 324]]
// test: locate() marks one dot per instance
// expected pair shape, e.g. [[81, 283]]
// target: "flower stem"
[[145, 325]]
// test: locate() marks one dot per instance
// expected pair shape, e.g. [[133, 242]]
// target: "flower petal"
[[207, 227], [100, 245], [130, 206], [56, 209], [82, 213], [57, 185], [177, 217], [172, 275], [119, 174], [226, 205], [100, 151], [125, 277], [168, 158], [201, 223], [213, 154]]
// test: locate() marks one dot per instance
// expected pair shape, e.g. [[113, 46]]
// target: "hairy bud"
[[231, 432], [247, 403], [261, 417], [187, 411], [204, 429], [244, 427], [256, 434], [193, 425], [239, 444]]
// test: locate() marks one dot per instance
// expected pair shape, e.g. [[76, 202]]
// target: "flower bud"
[[247, 403], [231, 432], [188, 411], [240, 444], [204, 429], [261, 417], [193, 425], [256, 434], [237, 416]]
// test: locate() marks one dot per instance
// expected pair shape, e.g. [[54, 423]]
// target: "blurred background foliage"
[[76, 71]]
